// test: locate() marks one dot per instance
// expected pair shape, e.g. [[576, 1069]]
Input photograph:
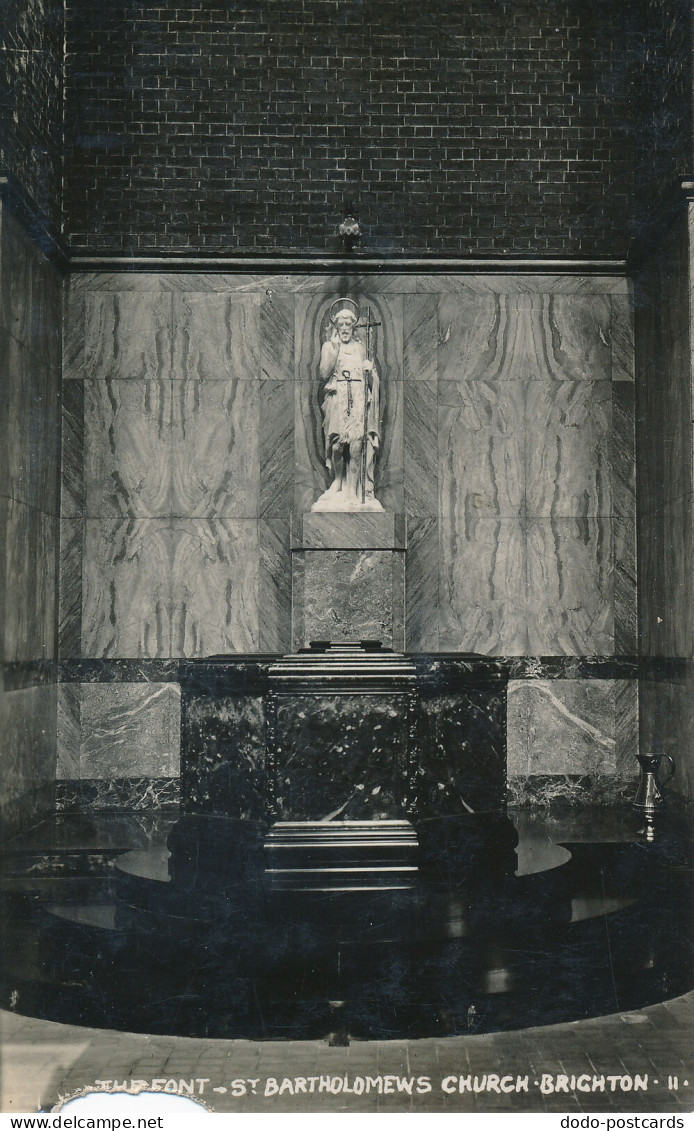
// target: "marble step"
[[343, 663], [341, 855]]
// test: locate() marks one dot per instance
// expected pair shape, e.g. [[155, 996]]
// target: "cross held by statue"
[[349, 379], [368, 325]]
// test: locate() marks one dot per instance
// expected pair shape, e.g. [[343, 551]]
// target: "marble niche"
[[347, 545]]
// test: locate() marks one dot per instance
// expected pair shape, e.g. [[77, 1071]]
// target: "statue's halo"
[[344, 304]]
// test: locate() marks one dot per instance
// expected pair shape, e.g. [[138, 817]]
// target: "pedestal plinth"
[[348, 578]]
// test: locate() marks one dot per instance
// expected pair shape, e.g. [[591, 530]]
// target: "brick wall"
[[483, 126], [31, 98]]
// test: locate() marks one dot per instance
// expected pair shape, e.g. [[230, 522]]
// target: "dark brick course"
[[461, 127]]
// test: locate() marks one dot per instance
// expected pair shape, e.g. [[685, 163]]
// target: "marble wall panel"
[[677, 532], [389, 473], [566, 432], [69, 733], [70, 587], [166, 587], [277, 324], [422, 585], [124, 334], [482, 588], [75, 307], [665, 547], [27, 756], [33, 290], [564, 727], [29, 405], [667, 725], [623, 472], [518, 336], [570, 601], [420, 448], [325, 530], [311, 477], [386, 282], [469, 327], [31, 547], [126, 587], [622, 337], [481, 448], [313, 328], [420, 342], [274, 586], [462, 762], [216, 336], [223, 756], [214, 586], [276, 448], [626, 732], [129, 730], [214, 452], [127, 446], [137, 795], [72, 486]]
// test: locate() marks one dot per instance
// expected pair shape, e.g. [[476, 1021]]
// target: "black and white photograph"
[[346, 544]]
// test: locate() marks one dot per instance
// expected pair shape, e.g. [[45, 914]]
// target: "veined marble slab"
[[422, 585], [481, 446], [127, 448], [214, 586], [216, 336], [420, 447], [28, 729], [31, 549], [214, 449], [524, 336], [276, 448], [570, 594], [420, 330], [30, 426], [72, 493], [622, 337], [126, 587], [129, 730], [567, 430], [70, 587], [477, 282], [277, 328], [32, 290], [482, 586], [571, 726], [348, 532], [120, 334], [274, 585]]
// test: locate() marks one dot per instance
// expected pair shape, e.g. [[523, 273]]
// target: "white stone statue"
[[350, 407]]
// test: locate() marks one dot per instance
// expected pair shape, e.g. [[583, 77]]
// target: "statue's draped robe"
[[347, 390]]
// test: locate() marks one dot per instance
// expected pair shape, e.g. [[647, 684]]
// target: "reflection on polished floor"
[[161, 925]]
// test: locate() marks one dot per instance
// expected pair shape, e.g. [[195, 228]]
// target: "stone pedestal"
[[348, 578]]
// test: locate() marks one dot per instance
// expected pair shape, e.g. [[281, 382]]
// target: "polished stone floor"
[[552, 968]]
